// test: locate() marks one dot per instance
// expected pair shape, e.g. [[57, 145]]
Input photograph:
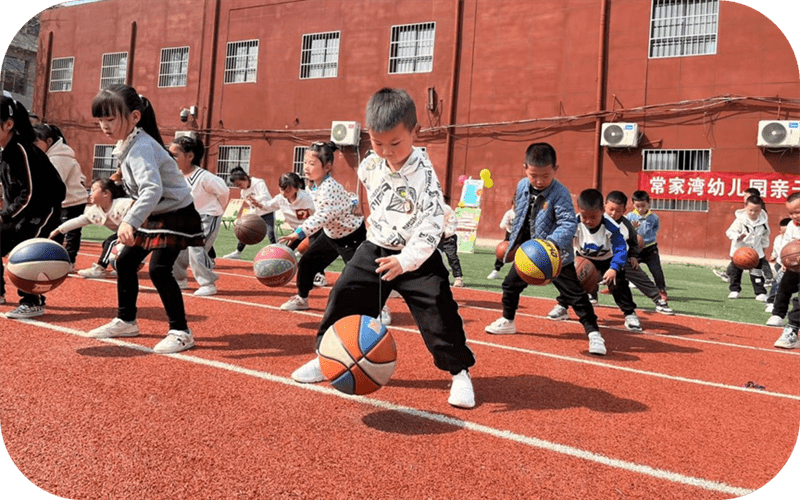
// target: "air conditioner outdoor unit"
[[620, 135], [779, 133], [345, 133], [189, 133]]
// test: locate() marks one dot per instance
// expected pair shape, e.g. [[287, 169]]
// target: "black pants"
[[787, 287], [620, 290], [449, 245], [108, 246], [652, 259], [570, 293], [322, 251], [270, 220], [71, 240], [756, 278], [359, 290]]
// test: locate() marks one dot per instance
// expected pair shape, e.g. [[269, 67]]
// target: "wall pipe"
[[456, 65], [597, 171]]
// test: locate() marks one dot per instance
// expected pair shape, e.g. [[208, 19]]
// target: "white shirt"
[[258, 188], [94, 214], [294, 212], [209, 192]]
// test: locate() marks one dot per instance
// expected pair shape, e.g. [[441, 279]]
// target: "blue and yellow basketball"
[[538, 262]]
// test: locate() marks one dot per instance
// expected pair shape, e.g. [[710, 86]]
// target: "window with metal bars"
[[230, 157], [687, 160], [297, 161], [174, 67], [241, 61], [683, 28], [319, 57], [104, 164], [411, 48], [61, 74], [114, 69]]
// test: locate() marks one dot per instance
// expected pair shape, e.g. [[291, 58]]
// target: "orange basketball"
[[790, 255], [745, 258], [303, 246], [587, 274], [250, 229]]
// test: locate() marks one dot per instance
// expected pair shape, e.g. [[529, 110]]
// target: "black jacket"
[[31, 184]]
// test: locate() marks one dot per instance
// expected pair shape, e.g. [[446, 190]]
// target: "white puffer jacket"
[[63, 158]]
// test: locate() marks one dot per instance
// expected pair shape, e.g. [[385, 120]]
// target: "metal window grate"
[[174, 67], [411, 48], [683, 28], [297, 161], [231, 157], [104, 164], [61, 74], [677, 159], [319, 56], [241, 61], [114, 69], [679, 205]]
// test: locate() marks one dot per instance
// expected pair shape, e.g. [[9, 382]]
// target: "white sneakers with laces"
[[309, 373], [461, 393], [775, 320], [296, 303], [95, 272], [501, 326], [733, 295], [175, 341], [25, 311], [558, 313], [632, 322], [788, 339], [117, 328]]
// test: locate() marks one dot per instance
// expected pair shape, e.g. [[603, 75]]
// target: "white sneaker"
[[664, 308], [733, 295], [769, 307], [117, 328], [296, 303], [386, 316], [309, 373], [183, 284], [762, 297], [175, 341], [95, 272], [461, 393], [593, 299], [206, 290], [788, 339], [596, 344], [493, 275], [502, 326], [632, 323], [458, 283], [559, 313], [319, 280], [235, 255], [26, 311], [776, 321]]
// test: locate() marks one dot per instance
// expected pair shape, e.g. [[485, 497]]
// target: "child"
[[405, 224], [728, 272], [449, 245], [788, 285], [340, 230], [505, 224], [50, 140], [162, 220], [750, 229], [647, 225], [255, 193], [210, 195], [293, 201], [32, 192], [615, 208], [544, 210], [108, 208], [775, 257]]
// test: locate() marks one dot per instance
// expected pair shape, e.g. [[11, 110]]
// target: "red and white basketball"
[[275, 265], [38, 265]]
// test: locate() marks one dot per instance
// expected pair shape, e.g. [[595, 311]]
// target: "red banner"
[[717, 186]]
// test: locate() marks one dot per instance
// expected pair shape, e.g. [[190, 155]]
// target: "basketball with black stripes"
[[250, 229]]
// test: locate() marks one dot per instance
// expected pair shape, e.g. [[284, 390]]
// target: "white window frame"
[[298, 158], [241, 67], [319, 55], [411, 48], [113, 69], [684, 160], [681, 28], [103, 162], [174, 67], [230, 157], [61, 77]]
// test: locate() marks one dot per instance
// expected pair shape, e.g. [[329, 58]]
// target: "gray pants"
[[197, 257]]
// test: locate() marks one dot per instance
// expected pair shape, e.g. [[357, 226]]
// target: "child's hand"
[[252, 201], [125, 234], [741, 237], [634, 262], [55, 233], [635, 223], [611, 277], [389, 268], [288, 239]]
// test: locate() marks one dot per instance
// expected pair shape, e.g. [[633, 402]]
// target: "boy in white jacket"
[[749, 229]]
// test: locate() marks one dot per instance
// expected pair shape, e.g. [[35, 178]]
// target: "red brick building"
[[690, 80]]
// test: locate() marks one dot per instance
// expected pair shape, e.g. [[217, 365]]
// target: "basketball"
[[357, 355], [537, 262], [274, 265], [640, 241], [790, 255], [303, 246], [501, 250], [38, 265], [745, 258], [250, 229], [587, 274]]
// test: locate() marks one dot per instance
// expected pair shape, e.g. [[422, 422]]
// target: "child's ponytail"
[[148, 120], [123, 100]]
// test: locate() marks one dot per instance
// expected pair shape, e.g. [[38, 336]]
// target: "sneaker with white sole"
[[788, 339], [769, 307], [458, 283], [663, 308], [461, 393], [25, 311], [502, 326], [632, 323], [296, 303], [558, 313], [117, 328], [206, 290], [493, 275], [175, 341], [309, 373], [723, 275], [593, 299], [761, 297], [386, 316], [733, 295], [95, 272], [235, 255], [319, 280], [776, 321], [596, 344]]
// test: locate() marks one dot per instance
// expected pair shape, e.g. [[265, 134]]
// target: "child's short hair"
[[793, 197], [388, 107], [238, 174], [752, 192], [291, 179], [641, 195], [44, 131], [755, 200], [540, 154], [785, 221], [191, 145], [590, 199], [617, 197], [106, 184]]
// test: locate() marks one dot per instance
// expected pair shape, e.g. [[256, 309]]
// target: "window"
[[679, 205], [114, 69], [411, 49], [61, 74], [683, 28], [174, 67], [686, 160], [104, 162], [320, 55], [241, 61], [231, 157], [297, 162], [15, 75]]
